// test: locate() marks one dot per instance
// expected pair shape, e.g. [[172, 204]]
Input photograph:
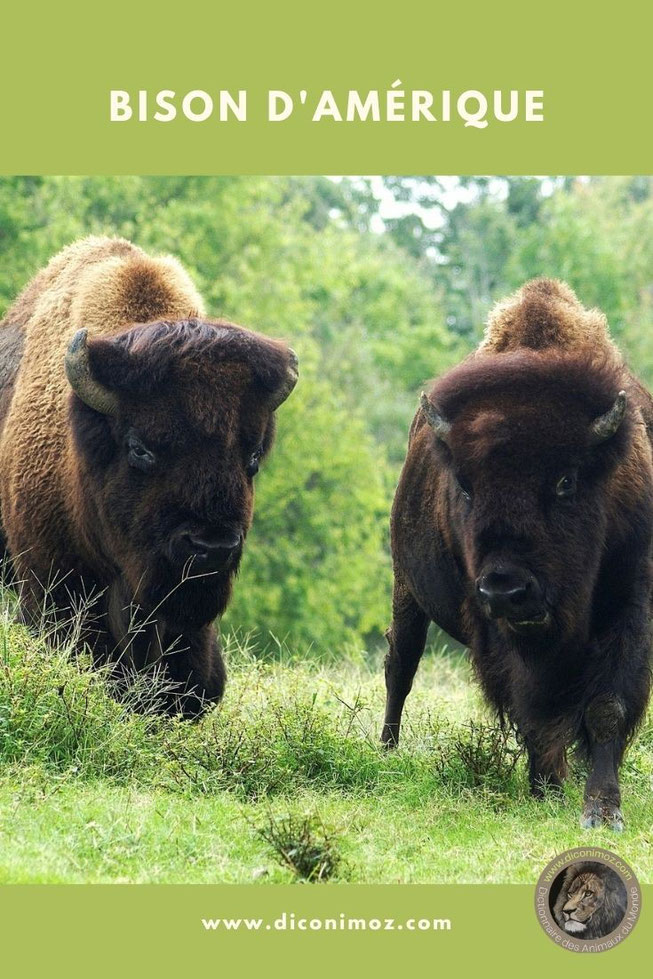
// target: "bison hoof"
[[598, 812], [389, 737]]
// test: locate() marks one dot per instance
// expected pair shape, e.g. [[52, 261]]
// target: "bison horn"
[[286, 387], [438, 423], [605, 426], [78, 372]]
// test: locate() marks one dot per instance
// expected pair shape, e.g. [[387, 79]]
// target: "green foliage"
[[319, 530], [493, 233], [570, 243]]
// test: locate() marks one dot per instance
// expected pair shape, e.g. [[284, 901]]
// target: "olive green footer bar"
[[121, 930]]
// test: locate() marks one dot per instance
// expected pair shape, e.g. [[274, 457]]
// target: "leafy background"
[[379, 284]]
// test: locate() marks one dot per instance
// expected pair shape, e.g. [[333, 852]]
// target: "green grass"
[[284, 780]]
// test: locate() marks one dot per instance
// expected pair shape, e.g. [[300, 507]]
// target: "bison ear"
[[438, 422], [605, 426], [83, 380], [286, 387]]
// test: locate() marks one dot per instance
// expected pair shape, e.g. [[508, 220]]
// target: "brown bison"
[[131, 432], [522, 525]]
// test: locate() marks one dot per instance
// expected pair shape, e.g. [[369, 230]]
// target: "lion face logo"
[[591, 902], [585, 896]]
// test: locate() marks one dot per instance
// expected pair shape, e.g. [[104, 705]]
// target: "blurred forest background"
[[379, 284]]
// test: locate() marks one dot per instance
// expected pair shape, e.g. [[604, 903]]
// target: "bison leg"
[[197, 671], [187, 670], [546, 768], [406, 639], [604, 722]]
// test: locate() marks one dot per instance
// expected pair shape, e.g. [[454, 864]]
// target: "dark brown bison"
[[522, 526], [131, 432]]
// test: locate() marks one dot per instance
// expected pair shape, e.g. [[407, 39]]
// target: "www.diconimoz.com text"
[[288, 921]]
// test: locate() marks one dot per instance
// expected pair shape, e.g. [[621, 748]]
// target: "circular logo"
[[588, 900]]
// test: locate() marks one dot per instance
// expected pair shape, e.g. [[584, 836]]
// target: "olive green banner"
[[356, 88], [294, 930]]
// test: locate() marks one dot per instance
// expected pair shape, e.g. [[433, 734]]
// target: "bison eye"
[[138, 455], [566, 486], [253, 462]]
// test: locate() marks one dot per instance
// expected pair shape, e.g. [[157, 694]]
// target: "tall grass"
[[291, 730], [282, 727]]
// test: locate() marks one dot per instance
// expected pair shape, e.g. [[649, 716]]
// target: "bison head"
[[171, 421], [529, 445]]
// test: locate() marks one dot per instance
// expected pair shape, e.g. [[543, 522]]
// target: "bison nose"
[[507, 594], [212, 553]]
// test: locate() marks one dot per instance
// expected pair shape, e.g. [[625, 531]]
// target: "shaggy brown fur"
[[80, 514], [545, 313], [530, 542]]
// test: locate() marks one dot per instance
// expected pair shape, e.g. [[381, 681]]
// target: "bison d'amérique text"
[[131, 429], [522, 526]]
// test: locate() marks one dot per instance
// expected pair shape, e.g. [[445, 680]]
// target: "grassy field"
[[285, 781]]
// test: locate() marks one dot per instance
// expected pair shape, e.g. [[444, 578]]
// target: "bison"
[[522, 526], [131, 429]]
